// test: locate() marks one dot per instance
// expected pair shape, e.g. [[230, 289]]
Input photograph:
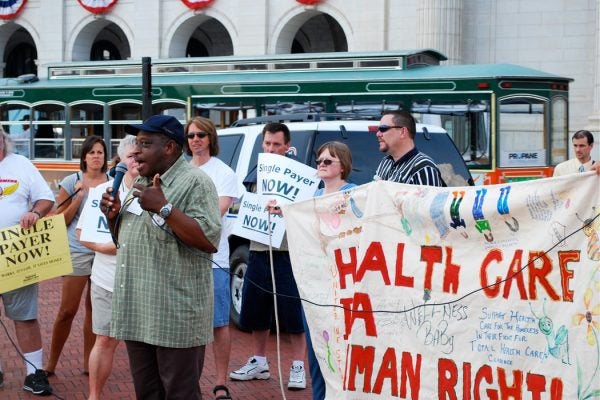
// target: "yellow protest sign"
[[33, 255]]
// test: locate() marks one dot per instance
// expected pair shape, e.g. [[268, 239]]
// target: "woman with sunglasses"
[[334, 164]]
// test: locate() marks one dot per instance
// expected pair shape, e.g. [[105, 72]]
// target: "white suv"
[[239, 147]]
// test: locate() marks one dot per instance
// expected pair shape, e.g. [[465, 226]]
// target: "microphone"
[[120, 171]]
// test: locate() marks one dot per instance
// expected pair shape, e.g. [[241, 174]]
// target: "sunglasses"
[[327, 162], [199, 135], [385, 128]]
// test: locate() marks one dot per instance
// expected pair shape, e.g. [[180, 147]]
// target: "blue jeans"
[[316, 377]]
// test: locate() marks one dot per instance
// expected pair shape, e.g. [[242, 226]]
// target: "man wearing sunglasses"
[[163, 292], [404, 163]]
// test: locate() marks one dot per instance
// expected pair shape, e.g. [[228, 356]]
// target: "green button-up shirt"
[[163, 291]]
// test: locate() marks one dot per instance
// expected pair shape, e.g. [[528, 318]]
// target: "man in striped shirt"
[[404, 163]]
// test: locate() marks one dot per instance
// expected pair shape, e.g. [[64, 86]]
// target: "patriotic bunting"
[[308, 2], [197, 4], [97, 6], [9, 9]]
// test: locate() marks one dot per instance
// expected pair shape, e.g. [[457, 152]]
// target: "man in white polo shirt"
[[583, 143]]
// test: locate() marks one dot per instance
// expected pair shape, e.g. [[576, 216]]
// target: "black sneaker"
[[1, 379], [37, 383]]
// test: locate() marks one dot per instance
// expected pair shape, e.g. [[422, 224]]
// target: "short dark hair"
[[87, 146], [581, 134], [405, 119], [274, 127], [342, 152], [207, 126]]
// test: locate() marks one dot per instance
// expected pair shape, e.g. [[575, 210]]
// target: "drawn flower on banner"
[[9, 9], [593, 326], [197, 4], [97, 6]]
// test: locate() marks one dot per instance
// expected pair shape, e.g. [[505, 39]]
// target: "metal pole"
[[146, 88]]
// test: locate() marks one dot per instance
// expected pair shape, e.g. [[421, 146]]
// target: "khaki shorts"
[[101, 310], [82, 264]]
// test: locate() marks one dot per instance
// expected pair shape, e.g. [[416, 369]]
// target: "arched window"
[[104, 50], [20, 60], [195, 48]]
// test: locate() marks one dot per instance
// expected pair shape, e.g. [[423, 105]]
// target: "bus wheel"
[[238, 262]]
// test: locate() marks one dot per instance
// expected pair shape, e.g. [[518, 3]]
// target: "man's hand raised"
[[151, 198]]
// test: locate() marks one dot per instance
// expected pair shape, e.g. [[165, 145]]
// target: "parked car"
[[240, 145]]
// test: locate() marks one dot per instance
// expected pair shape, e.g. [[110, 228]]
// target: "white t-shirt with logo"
[[21, 185]]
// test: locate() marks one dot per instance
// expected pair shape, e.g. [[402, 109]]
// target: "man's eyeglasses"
[[327, 162], [199, 135], [385, 128], [144, 144]]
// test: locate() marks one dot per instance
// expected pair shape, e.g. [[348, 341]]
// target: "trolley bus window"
[[14, 119], [86, 119], [122, 114], [467, 123], [173, 109], [224, 114], [560, 131], [522, 132], [48, 131]]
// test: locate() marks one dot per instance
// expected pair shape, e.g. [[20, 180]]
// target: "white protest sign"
[[284, 179], [94, 226], [253, 221]]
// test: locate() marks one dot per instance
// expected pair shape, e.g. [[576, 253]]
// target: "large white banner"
[[453, 293]]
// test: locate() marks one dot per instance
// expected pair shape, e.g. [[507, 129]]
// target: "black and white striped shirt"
[[414, 168]]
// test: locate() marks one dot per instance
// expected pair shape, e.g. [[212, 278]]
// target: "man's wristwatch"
[[165, 211]]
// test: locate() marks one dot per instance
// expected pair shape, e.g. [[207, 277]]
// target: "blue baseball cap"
[[165, 124]]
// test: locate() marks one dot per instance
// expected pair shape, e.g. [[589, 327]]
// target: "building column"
[[594, 119], [439, 27], [51, 47]]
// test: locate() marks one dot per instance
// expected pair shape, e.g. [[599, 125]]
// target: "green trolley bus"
[[509, 122]]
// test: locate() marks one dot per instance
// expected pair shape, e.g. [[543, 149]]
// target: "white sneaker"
[[297, 378], [252, 370]]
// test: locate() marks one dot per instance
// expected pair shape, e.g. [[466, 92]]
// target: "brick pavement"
[[70, 383]]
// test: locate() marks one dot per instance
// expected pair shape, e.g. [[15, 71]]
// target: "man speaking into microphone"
[[162, 300]]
